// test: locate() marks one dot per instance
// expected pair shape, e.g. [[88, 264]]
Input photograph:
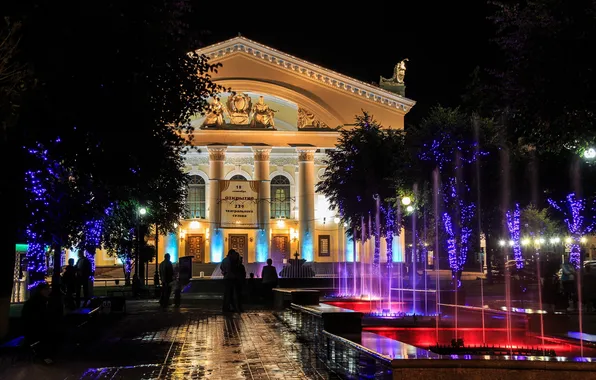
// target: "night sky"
[[444, 42]]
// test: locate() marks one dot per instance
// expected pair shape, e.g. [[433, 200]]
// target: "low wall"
[[444, 369]]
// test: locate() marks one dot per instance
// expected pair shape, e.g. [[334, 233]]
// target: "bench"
[[18, 349], [83, 315], [336, 320], [284, 297]]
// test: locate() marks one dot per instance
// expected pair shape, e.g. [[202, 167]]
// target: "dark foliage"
[[546, 86], [367, 161]]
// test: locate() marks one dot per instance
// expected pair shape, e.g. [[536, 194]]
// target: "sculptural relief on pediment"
[[308, 120], [239, 112]]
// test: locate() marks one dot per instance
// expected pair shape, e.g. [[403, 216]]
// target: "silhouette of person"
[[239, 284], [166, 273], [229, 271], [269, 276], [83, 277], [69, 281]]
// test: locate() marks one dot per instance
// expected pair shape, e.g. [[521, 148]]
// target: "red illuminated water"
[[424, 337], [369, 306]]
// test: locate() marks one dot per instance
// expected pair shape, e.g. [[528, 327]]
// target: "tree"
[[546, 85], [14, 80], [537, 222], [578, 221], [357, 185], [119, 108], [448, 139]]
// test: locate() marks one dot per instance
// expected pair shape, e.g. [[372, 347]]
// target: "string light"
[[457, 243], [389, 213], [514, 232], [576, 224], [442, 151]]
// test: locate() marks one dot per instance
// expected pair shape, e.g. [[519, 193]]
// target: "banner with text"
[[239, 203]]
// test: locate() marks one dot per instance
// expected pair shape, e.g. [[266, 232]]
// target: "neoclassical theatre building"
[[261, 151]]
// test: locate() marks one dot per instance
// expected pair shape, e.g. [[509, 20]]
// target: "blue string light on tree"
[[442, 151], [514, 232], [41, 184], [390, 224], [576, 223]]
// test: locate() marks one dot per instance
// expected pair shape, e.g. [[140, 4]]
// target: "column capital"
[[261, 153], [217, 152], [306, 153]]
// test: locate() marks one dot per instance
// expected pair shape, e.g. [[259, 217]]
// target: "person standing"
[[83, 277], [269, 276], [69, 281], [239, 285], [229, 271], [166, 273]]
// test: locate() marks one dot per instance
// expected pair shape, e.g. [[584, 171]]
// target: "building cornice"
[[307, 70]]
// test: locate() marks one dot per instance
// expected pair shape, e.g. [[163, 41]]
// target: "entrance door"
[[195, 246], [240, 244], [280, 249]]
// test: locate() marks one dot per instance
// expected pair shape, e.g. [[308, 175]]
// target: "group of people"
[[75, 278], [234, 273]]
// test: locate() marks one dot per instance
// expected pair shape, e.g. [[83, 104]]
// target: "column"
[[217, 156], [261, 174], [306, 183]]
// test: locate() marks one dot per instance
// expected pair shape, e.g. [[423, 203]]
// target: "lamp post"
[[142, 211]]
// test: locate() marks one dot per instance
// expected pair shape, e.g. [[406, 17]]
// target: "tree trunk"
[[156, 275], [56, 302], [11, 193], [389, 241]]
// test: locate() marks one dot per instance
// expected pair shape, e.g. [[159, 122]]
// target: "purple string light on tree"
[[457, 241], [390, 221], [576, 224], [514, 232]]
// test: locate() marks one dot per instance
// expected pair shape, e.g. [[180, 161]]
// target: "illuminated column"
[[306, 182], [261, 174], [217, 156]]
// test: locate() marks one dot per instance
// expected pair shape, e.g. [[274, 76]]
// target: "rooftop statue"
[[396, 82], [399, 73]]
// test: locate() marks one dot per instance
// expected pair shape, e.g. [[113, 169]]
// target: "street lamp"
[[406, 201], [140, 212], [590, 153]]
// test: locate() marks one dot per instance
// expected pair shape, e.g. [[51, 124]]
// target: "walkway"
[[191, 343]]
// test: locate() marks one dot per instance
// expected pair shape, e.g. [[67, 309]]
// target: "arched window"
[[195, 199], [280, 197], [238, 177]]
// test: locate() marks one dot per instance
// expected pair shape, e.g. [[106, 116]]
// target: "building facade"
[[260, 150]]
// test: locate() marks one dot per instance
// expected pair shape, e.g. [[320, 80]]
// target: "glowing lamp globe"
[[590, 153], [409, 209], [406, 201], [142, 211], [336, 220]]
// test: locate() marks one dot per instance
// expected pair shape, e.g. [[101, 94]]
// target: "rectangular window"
[[324, 245], [196, 202]]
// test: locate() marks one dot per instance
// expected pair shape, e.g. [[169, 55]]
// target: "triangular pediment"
[[330, 97]]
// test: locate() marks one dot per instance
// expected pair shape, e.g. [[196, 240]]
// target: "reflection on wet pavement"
[[198, 344]]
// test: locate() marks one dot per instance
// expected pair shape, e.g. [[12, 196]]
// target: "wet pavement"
[[195, 342]]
